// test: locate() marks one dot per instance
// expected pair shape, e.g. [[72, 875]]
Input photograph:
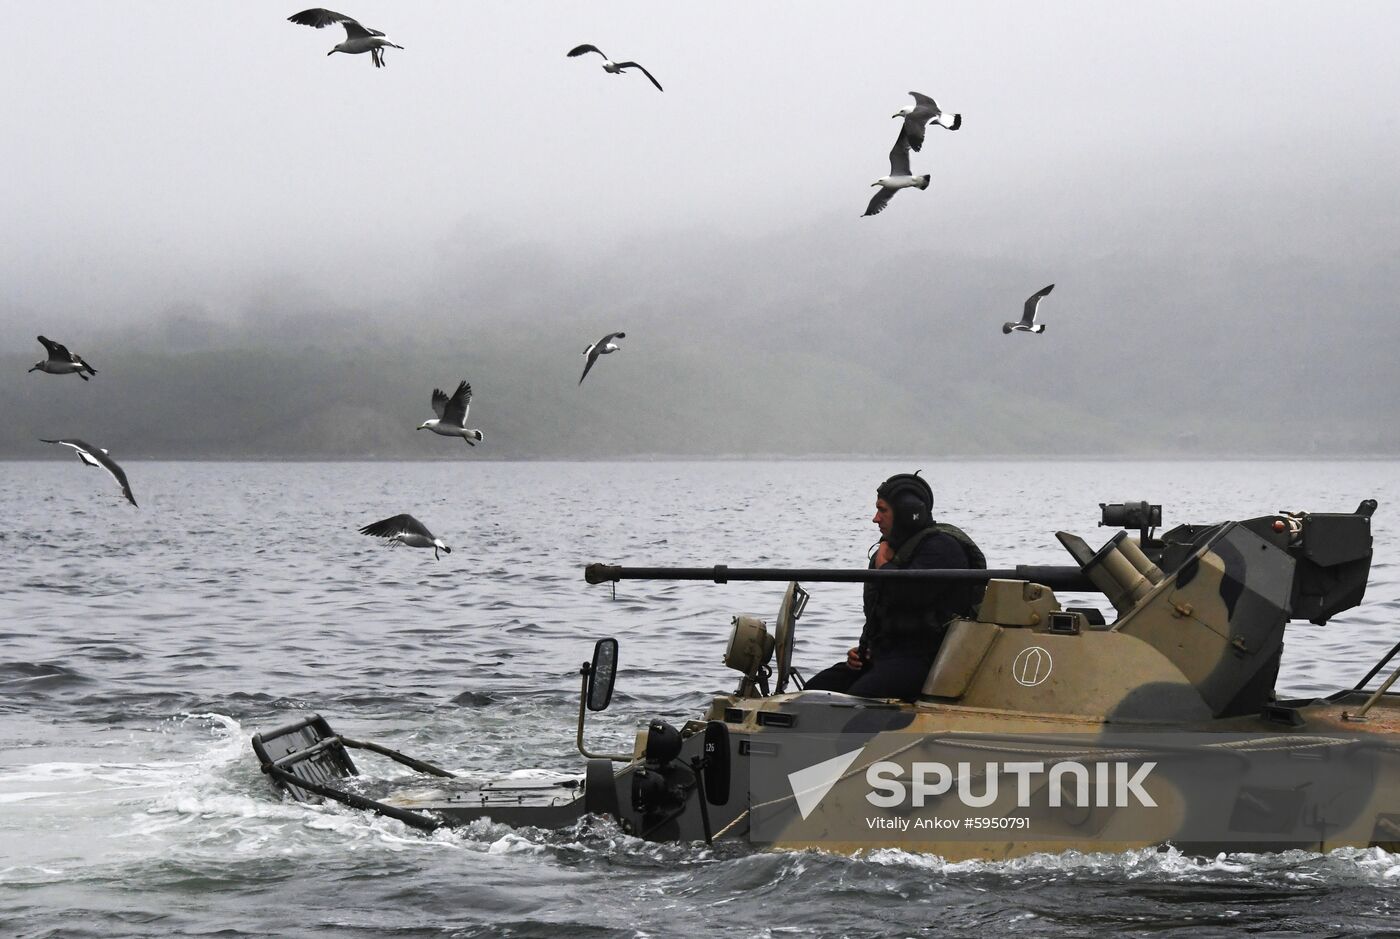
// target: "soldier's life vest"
[[971, 593], [976, 560], [925, 632]]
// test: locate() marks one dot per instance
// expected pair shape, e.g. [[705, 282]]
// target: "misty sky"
[[169, 158]]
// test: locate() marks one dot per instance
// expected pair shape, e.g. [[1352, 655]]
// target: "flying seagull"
[[601, 347], [405, 529], [358, 38], [919, 115], [611, 67], [61, 361], [96, 456], [452, 415], [899, 178], [1028, 323]]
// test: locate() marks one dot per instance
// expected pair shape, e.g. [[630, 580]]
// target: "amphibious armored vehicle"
[[1040, 727]]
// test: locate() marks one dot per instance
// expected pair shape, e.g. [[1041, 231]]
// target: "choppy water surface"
[[141, 648]]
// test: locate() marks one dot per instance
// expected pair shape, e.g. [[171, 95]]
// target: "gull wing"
[[924, 103], [644, 72], [899, 158], [79, 360], [56, 350], [610, 337], [319, 18], [584, 50], [354, 30], [85, 451], [96, 456], [118, 474], [396, 525], [455, 411], [592, 357], [439, 402], [879, 201], [911, 135], [1032, 302]]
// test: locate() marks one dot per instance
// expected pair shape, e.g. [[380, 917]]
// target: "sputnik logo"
[[810, 785]]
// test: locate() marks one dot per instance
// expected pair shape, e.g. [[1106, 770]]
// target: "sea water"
[[140, 648]]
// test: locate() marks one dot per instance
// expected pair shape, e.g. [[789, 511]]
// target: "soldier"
[[905, 622]]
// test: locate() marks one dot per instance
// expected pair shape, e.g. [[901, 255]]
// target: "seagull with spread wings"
[[358, 39], [601, 347], [611, 67], [1028, 323], [452, 415], [919, 115], [62, 362], [96, 456], [899, 178], [406, 530]]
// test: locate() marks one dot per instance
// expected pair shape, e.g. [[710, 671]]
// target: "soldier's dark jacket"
[[910, 619]]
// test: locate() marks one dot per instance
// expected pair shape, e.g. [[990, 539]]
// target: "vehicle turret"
[[1199, 633]]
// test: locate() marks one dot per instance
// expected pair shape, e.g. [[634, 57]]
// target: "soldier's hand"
[[883, 554], [853, 659]]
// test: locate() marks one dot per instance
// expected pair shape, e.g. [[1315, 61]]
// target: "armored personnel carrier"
[[1040, 727]]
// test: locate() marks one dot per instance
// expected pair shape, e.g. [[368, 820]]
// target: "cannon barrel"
[[1054, 577]]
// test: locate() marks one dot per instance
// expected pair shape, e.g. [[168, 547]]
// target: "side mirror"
[[595, 693], [601, 675]]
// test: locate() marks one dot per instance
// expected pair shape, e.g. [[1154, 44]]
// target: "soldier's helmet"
[[910, 499]]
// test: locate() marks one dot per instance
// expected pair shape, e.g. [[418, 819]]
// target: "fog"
[[269, 252]]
